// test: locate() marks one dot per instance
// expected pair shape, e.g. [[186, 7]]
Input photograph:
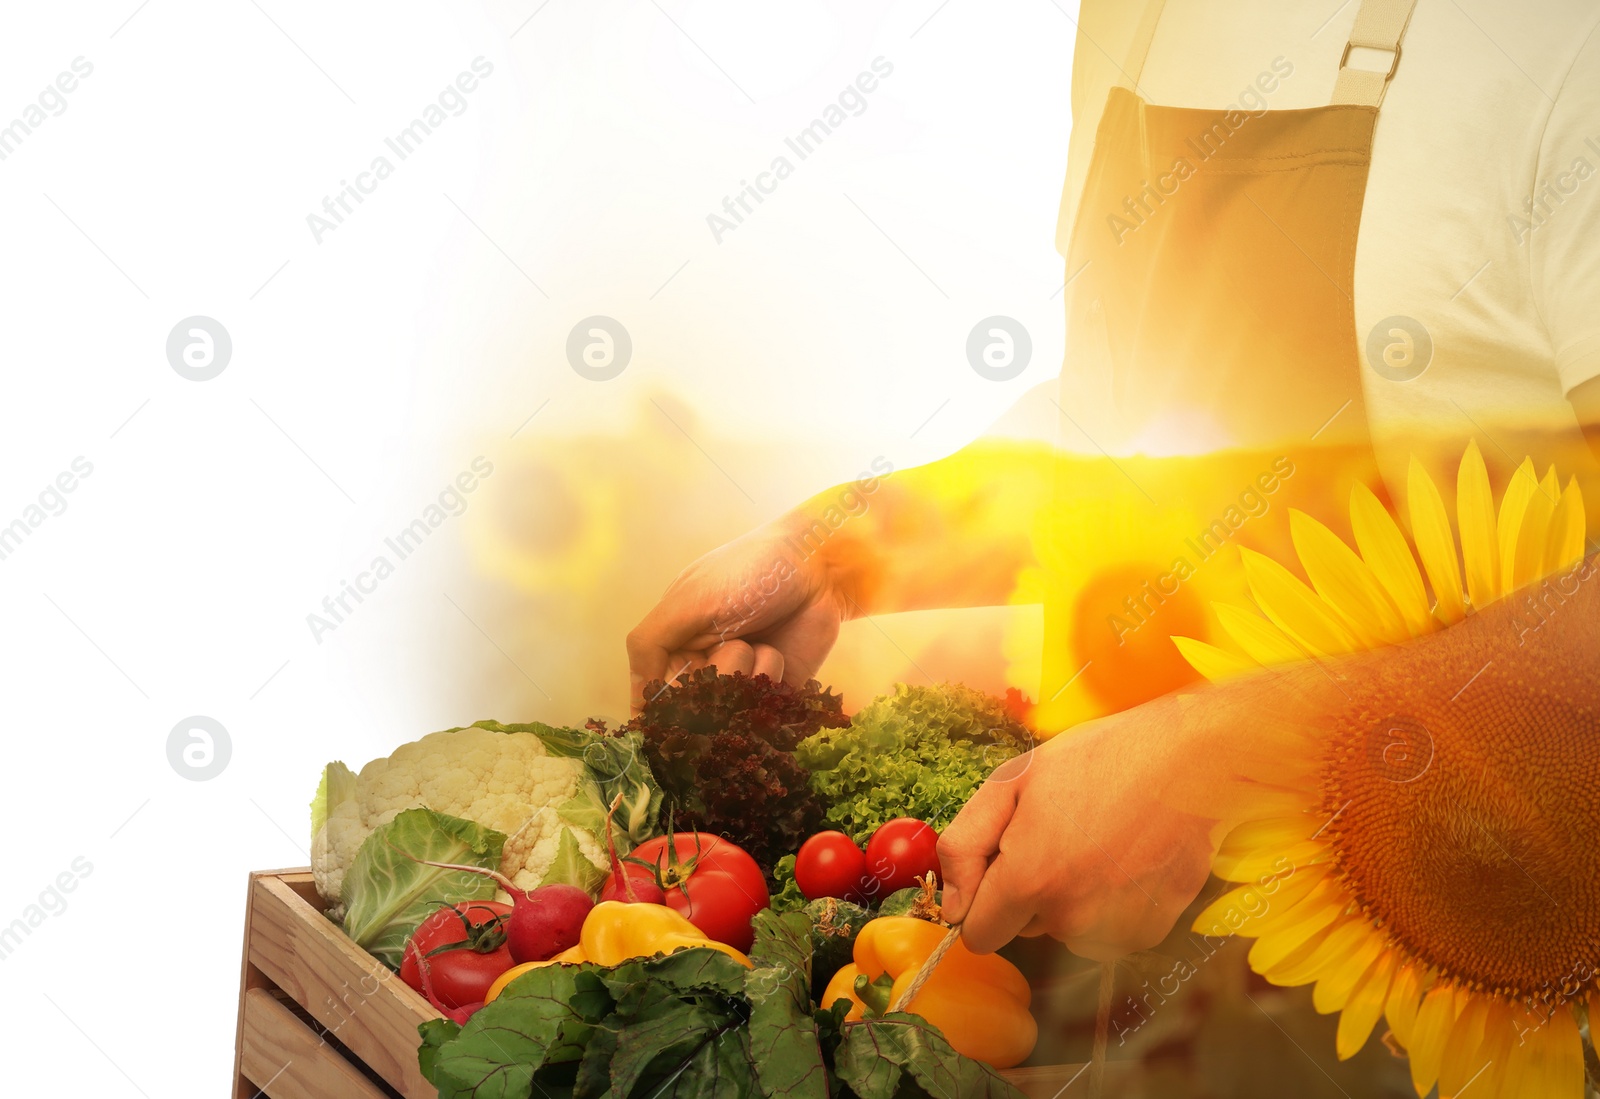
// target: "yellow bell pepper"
[[979, 1001], [614, 932]]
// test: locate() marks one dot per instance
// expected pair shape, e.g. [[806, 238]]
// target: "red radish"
[[630, 882], [543, 921]]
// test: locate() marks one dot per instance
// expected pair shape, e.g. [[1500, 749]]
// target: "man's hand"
[[760, 604], [1074, 840]]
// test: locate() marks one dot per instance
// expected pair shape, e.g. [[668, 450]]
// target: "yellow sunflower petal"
[[1549, 1062], [1294, 608], [1430, 526], [1284, 894], [1534, 532], [1513, 506], [1334, 988], [1292, 943], [1251, 910], [1346, 583], [1231, 913], [1384, 549], [1263, 641], [1463, 1057], [1215, 664], [1364, 1005], [1251, 865], [1480, 545], [1567, 534], [1498, 1035], [1331, 953], [1434, 1019], [1271, 832], [1286, 971], [1405, 996]]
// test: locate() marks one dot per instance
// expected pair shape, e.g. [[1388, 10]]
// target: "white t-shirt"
[[1482, 210]]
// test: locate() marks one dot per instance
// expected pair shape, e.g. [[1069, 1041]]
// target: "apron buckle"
[[1394, 62]]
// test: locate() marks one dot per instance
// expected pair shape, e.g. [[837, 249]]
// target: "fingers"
[[727, 658], [669, 642], [1002, 907], [647, 660], [804, 640], [732, 656], [972, 840], [769, 662], [746, 658]]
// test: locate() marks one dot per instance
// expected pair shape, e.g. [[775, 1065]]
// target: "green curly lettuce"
[[919, 752], [787, 896]]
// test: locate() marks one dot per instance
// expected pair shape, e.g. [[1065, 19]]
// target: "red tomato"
[[900, 852], [830, 865], [462, 975], [715, 885]]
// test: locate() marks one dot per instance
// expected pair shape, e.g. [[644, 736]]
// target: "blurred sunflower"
[[1119, 573], [1394, 888]]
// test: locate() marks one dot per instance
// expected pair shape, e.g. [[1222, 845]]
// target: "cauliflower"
[[546, 789]]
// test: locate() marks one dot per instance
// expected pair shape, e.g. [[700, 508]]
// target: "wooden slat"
[[355, 996], [302, 883], [286, 1059], [249, 977]]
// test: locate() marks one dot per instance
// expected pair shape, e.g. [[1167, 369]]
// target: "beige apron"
[[1209, 311]]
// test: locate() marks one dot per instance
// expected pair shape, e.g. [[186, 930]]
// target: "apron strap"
[[1380, 25], [1143, 35]]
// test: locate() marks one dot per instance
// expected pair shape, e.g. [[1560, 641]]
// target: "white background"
[[370, 368]]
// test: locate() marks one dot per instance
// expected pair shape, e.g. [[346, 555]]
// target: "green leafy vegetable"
[[787, 897], [688, 972], [387, 892], [683, 1049], [572, 867], [783, 1035], [337, 784], [435, 1033], [876, 1052], [496, 1054], [640, 1023], [919, 752]]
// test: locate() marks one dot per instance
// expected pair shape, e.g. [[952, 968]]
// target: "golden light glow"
[[1131, 551]]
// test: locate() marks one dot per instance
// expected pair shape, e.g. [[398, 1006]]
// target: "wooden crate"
[[320, 1018]]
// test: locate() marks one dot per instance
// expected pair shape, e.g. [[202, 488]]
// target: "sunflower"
[[1400, 889]]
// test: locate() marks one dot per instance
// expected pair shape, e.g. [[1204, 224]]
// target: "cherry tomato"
[[830, 865], [900, 852], [462, 975], [715, 885]]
